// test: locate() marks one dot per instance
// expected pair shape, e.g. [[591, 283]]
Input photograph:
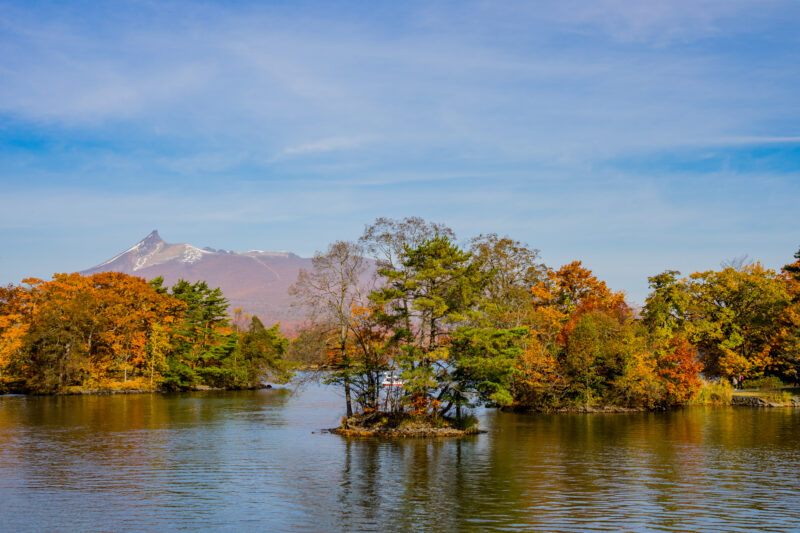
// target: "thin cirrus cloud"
[[326, 145], [428, 90], [589, 129]]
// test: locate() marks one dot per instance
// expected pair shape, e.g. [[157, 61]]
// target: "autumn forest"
[[455, 323], [111, 331]]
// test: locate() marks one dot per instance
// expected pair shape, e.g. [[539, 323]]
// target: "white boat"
[[390, 380]]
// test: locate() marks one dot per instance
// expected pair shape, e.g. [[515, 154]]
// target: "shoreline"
[[396, 433], [750, 400], [402, 425], [736, 400], [583, 409], [110, 392]]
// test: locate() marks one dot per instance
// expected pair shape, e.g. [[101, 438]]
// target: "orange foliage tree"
[[679, 370], [81, 330], [557, 303], [586, 346]]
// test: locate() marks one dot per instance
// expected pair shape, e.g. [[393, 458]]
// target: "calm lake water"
[[257, 460]]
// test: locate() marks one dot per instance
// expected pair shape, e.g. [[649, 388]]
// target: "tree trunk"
[[346, 364], [347, 397], [445, 410]]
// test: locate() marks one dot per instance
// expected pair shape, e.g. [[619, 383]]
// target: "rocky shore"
[[757, 401]]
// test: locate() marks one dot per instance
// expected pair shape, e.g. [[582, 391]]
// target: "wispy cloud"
[[327, 145], [262, 80], [563, 123], [753, 140]]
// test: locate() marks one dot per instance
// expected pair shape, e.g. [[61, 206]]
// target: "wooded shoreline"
[[485, 323], [409, 322], [110, 392]]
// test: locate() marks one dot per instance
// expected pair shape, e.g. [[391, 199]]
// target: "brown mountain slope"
[[256, 281]]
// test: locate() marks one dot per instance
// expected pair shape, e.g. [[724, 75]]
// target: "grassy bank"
[[722, 393]]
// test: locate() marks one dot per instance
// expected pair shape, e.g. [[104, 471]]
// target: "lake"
[[258, 460]]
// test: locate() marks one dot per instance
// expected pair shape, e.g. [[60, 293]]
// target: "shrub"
[[767, 382], [715, 393], [778, 396], [130, 385]]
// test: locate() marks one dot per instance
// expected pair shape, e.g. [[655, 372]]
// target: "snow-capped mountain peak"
[[256, 281]]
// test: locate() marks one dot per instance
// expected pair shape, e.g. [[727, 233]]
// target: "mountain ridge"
[[256, 281]]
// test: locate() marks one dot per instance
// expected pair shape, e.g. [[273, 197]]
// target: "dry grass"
[[714, 393]]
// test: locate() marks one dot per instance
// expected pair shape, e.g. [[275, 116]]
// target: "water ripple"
[[256, 460]]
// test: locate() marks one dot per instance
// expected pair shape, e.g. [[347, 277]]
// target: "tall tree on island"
[[432, 303], [513, 268], [329, 293], [388, 241]]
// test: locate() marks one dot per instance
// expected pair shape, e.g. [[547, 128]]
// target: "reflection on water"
[[257, 460]]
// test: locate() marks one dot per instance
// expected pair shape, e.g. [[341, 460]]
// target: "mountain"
[[256, 281]]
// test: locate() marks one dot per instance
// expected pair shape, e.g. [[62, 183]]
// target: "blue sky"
[[635, 136]]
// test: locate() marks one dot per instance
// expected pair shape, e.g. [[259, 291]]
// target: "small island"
[[394, 425]]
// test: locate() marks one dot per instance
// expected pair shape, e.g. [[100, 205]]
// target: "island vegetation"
[[114, 332], [416, 330], [488, 323]]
